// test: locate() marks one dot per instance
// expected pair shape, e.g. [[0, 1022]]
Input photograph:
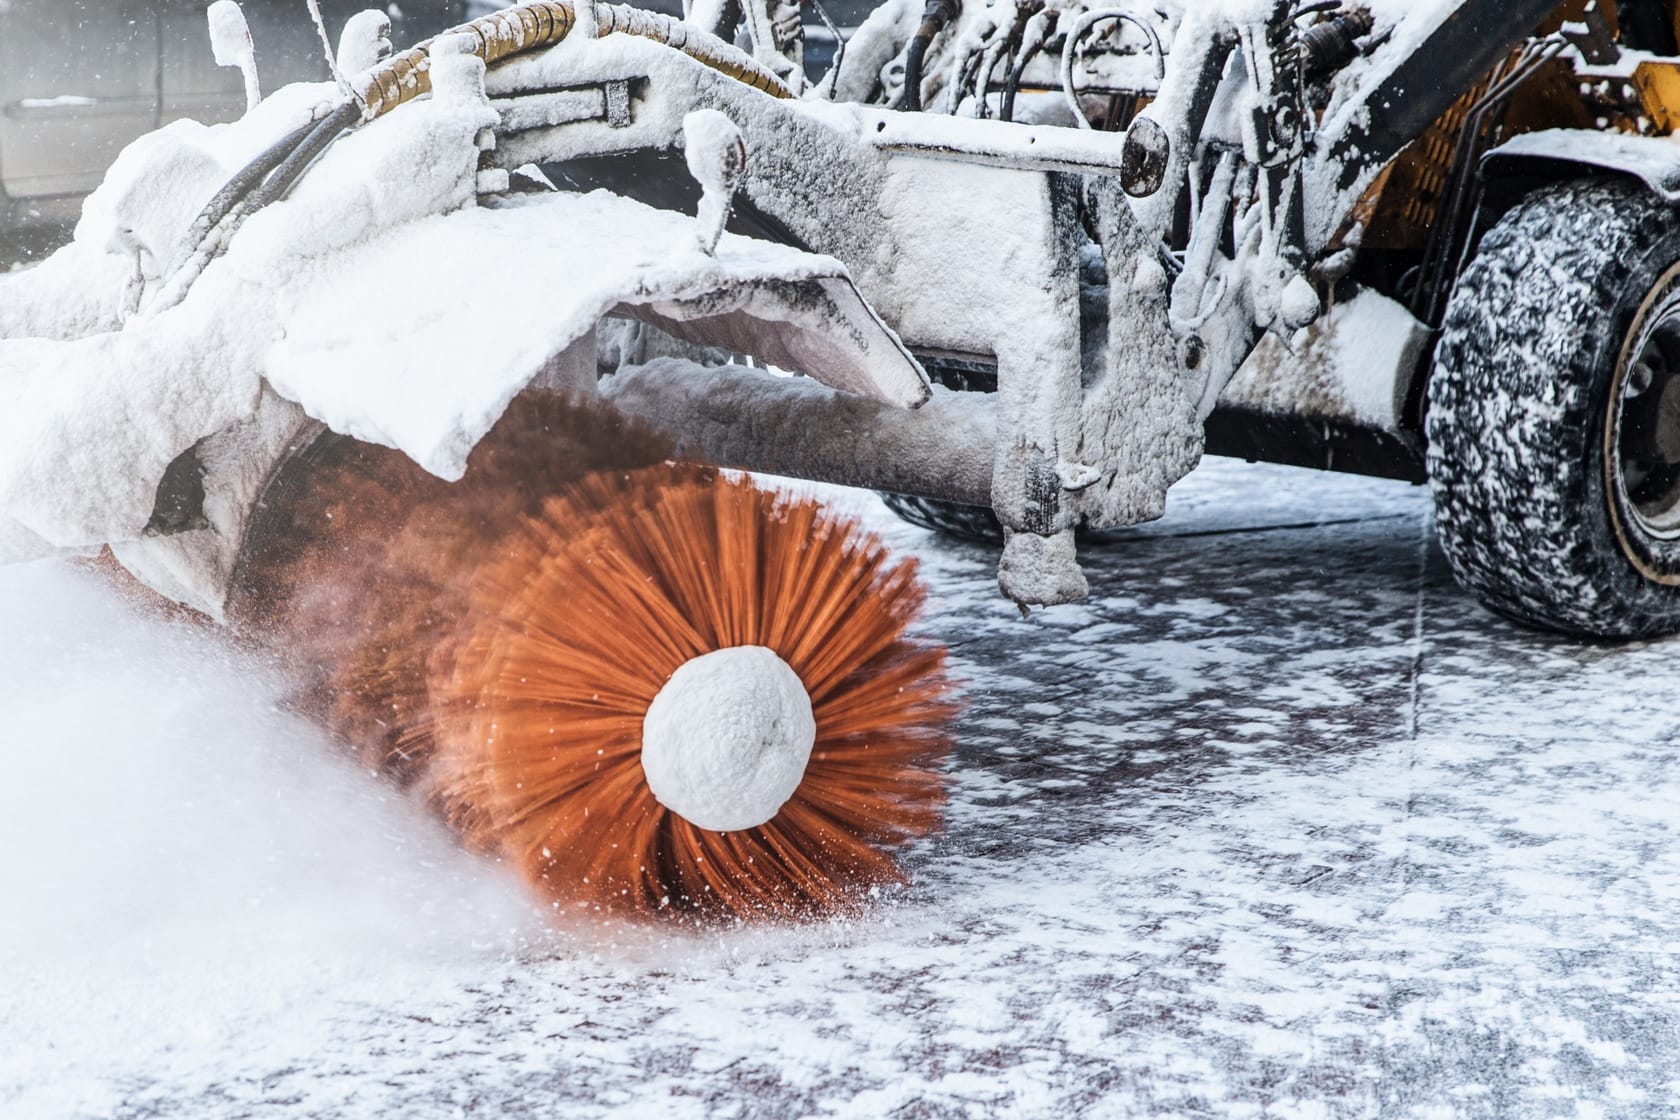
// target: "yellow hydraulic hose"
[[530, 26], [538, 24]]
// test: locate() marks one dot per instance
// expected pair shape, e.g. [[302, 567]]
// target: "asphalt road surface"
[[1279, 823]]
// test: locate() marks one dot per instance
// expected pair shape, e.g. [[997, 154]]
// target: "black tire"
[[1550, 504], [952, 519]]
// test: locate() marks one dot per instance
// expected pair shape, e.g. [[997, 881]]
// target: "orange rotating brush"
[[651, 688]]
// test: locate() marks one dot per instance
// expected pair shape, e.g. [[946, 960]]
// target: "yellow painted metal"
[[538, 24], [1658, 84]]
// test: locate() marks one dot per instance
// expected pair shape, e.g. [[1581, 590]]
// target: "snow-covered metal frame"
[[403, 291]]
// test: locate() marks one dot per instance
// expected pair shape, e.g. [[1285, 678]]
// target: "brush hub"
[[726, 741]]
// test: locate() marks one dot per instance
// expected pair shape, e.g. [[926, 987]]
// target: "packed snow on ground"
[[1279, 823]]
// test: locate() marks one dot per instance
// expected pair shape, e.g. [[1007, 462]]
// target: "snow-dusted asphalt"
[[1279, 824]]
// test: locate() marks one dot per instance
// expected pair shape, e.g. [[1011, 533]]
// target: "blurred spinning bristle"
[[497, 642]]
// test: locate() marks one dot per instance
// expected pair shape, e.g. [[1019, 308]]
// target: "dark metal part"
[[1643, 456], [1593, 37], [1042, 503], [935, 16], [1466, 46], [1327, 47], [180, 498], [1450, 237], [1648, 25], [1651, 433], [1278, 112], [1299, 441], [1144, 158], [617, 95]]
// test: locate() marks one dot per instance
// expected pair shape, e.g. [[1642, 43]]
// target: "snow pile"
[[182, 860], [93, 419]]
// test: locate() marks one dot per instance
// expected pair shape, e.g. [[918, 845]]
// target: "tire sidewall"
[[1520, 404]]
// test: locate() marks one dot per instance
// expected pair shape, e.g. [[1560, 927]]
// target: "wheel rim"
[[1642, 437]]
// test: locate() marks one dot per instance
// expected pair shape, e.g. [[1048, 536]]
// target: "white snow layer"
[[1353, 364], [377, 296], [181, 863], [1280, 823], [419, 340]]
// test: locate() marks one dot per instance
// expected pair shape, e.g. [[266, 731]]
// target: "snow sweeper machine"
[[435, 377]]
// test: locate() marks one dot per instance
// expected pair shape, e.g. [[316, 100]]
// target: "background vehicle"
[[80, 79]]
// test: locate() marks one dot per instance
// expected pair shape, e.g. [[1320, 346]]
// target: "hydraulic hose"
[[543, 23], [318, 140], [534, 25], [935, 16], [1034, 35], [264, 182], [1006, 111]]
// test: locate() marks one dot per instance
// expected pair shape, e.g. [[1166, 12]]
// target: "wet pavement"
[[1279, 823]]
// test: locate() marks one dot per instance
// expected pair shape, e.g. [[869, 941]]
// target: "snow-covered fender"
[[381, 300], [419, 340], [1535, 158]]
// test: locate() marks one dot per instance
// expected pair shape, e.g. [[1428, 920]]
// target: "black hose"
[[935, 16], [321, 136], [965, 79], [240, 185], [1327, 47], [1006, 111], [250, 191], [1011, 44]]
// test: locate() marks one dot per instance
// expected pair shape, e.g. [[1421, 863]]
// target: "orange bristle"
[[355, 573], [574, 635], [498, 641]]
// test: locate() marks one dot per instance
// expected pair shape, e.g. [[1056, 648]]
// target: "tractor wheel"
[[1554, 414], [952, 519]]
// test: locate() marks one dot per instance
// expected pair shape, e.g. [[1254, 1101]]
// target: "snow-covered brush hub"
[[426, 374], [726, 741]]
